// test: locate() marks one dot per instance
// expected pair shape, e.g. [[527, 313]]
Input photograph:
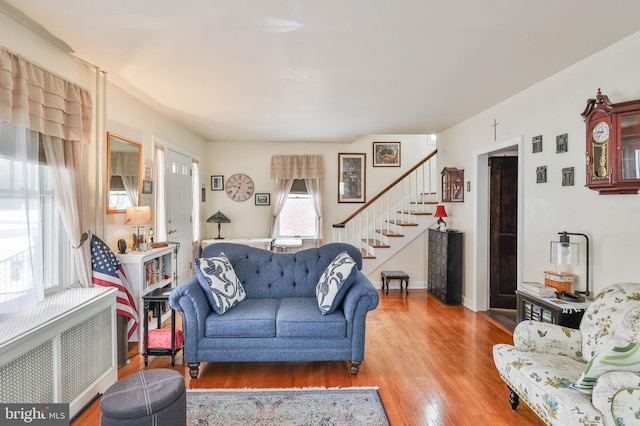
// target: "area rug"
[[300, 406]]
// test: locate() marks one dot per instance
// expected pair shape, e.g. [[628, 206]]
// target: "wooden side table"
[[395, 275], [157, 297]]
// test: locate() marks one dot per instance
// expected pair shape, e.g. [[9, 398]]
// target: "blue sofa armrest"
[[190, 300], [361, 298]]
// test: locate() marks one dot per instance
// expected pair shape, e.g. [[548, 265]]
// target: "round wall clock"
[[600, 132], [239, 187]]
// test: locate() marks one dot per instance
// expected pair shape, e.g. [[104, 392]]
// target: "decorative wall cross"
[[495, 126]]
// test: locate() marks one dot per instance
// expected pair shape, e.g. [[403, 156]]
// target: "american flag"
[[108, 272]]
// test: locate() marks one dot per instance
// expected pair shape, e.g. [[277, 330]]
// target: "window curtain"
[[286, 168], [161, 218], [21, 283], [61, 111]]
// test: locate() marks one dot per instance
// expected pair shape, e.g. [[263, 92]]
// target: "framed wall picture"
[[541, 174], [217, 183], [536, 143], [386, 154], [567, 176], [351, 178], [562, 143], [452, 181], [147, 186], [263, 199]]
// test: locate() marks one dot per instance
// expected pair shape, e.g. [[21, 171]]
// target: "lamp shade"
[[440, 211], [140, 215], [218, 218]]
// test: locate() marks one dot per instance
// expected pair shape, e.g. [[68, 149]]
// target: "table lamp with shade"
[[440, 213], [218, 218], [138, 217], [564, 252]]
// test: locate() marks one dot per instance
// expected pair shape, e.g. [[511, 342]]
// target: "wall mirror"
[[123, 173]]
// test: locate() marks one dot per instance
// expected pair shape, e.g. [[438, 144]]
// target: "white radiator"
[[64, 350]]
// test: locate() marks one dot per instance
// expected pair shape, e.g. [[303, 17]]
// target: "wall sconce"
[[564, 252], [137, 217], [440, 213], [218, 218]]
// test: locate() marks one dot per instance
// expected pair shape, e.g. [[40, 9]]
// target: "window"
[[298, 217], [34, 249]]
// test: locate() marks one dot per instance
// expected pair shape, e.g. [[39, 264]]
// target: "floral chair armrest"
[[616, 395], [548, 338]]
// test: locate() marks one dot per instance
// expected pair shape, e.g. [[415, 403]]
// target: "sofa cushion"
[[334, 282], [220, 283], [615, 355], [300, 317], [251, 318]]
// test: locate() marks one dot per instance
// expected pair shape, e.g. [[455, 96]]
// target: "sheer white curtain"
[[160, 214], [196, 204], [284, 170], [64, 159], [21, 283], [36, 99]]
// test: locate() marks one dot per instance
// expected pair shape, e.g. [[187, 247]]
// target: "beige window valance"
[[39, 100], [297, 167]]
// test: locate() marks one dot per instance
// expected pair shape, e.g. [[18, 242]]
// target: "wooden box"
[[561, 281]]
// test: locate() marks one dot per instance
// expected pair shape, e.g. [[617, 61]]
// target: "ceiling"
[[330, 70]]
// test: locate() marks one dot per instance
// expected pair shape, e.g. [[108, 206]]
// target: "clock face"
[[239, 187], [600, 132]]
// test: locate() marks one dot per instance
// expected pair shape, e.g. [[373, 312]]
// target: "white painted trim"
[[480, 280]]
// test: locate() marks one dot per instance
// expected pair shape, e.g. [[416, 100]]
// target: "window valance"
[[34, 98], [297, 167]]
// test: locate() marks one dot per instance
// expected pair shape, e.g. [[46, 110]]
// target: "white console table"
[[147, 271]]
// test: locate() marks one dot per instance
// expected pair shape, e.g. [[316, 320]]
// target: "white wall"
[[550, 108]]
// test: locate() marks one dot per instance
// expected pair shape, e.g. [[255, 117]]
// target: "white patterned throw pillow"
[[334, 282], [615, 355], [224, 289]]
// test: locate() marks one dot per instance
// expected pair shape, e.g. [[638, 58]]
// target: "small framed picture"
[[263, 199], [217, 183], [536, 143], [567, 176], [541, 174], [562, 143], [351, 178], [147, 186], [386, 154]]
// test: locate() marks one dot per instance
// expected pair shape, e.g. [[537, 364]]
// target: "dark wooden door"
[[503, 231]]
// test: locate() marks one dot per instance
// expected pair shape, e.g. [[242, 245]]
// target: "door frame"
[[481, 290]]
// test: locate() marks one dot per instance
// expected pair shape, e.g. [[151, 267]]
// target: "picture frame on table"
[[351, 178], [386, 154], [217, 183], [263, 199]]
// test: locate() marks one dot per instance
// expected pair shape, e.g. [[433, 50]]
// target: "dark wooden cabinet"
[[445, 266], [613, 141], [535, 308]]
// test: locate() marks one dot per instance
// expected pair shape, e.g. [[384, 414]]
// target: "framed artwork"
[[263, 199], [351, 178], [147, 172], [217, 183], [536, 143], [567, 176], [541, 174], [147, 186], [562, 143], [386, 154]]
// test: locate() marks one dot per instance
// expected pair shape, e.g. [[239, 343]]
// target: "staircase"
[[394, 217]]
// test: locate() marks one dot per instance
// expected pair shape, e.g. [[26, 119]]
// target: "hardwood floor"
[[433, 364]]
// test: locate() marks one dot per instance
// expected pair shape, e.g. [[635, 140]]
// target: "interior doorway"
[[481, 293], [503, 231]]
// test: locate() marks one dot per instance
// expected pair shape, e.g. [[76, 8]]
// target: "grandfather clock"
[[613, 145]]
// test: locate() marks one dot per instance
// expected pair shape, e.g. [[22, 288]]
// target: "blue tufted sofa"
[[279, 320]]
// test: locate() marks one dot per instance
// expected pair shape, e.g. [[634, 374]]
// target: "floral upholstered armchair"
[[589, 376]]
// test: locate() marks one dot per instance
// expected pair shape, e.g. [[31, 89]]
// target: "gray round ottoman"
[[150, 397]]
